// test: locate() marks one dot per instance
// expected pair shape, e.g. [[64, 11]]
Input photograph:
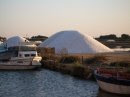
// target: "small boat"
[[112, 81], [16, 58]]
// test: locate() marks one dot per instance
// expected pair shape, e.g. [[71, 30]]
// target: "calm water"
[[45, 83]]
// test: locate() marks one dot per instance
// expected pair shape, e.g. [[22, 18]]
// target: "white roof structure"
[[15, 41], [1, 42], [74, 42], [2, 47]]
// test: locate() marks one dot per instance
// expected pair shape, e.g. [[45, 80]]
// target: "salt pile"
[[15, 41], [74, 42]]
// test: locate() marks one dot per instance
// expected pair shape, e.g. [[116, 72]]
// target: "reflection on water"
[[45, 83], [102, 93]]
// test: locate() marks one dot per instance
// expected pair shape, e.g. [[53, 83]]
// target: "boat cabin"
[[24, 54]]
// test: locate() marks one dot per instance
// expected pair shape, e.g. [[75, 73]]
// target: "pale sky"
[[46, 17]]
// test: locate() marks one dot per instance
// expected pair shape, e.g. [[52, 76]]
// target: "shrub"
[[45, 57], [69, 59], [121, 64], [50, 57], [95, 59]]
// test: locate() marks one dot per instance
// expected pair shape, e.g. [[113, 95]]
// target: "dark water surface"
[[45, 83]]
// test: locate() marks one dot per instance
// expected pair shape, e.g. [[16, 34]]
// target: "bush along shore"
[[71, 65], [74, 69], [75, 66]]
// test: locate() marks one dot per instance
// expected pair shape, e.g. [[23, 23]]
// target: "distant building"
[[110, 40], [2, 47], [14, 41]]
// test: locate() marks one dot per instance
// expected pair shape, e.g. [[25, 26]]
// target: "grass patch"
[[95, 60], [69, 59]]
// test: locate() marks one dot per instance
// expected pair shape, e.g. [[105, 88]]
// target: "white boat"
[[19, 59]]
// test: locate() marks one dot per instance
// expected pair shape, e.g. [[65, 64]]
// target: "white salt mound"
[[74, 42], [15, 41]]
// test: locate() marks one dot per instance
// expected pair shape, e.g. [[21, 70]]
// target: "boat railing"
[[120, 73]]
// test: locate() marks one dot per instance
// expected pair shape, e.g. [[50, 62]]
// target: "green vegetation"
[[37, 38], [120, 64], [111, 36], [69, 59], [2, 38], [95, 60], [128, 70], [45, 58], [67, 65], [123, 37]]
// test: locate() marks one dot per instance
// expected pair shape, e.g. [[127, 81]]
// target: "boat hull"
[[113, 85], [21, 63], [18, 67], [112, 88]]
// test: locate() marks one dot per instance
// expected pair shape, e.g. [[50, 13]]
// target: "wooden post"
[[82, 59]]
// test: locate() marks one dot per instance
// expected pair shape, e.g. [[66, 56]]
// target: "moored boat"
[[17, 58], [112, 81]]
